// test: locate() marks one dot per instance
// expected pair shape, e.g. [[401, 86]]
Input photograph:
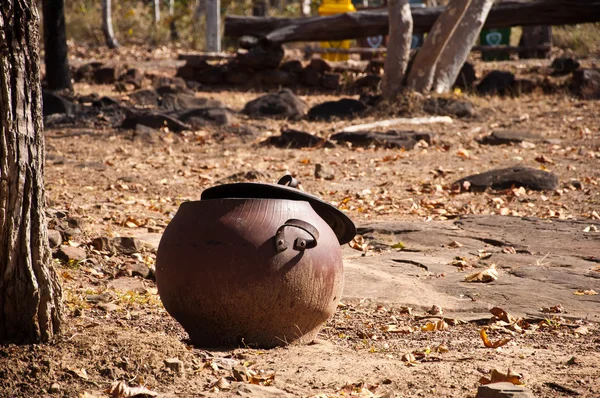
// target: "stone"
[[517, 176], [202, 116], [367, 83], [71, 254], [175, 364], [290, 138], [86, 72], [170, 85], [211, 75], [117, 245], [236, 75], [331, 80], [586, 83], [496, 83], [108, 307], [105, 75], [137, 269], [448, 106], [261, 57], [502, 137], [54, 238], [283, 104], [503, 390], [320, 65], [54, 388], [563, 66], [466, 77], [184, 101], [324, 172], [132, 76], [390, 139], [311, 77], [192, 69], [145, 97], [342, 109], [53, 103], [276, 77], [155, 120], [293, 66], [103, 297]]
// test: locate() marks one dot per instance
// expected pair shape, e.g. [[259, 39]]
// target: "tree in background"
[[400, 38], [30, 291], [58, 76], [107, 26]]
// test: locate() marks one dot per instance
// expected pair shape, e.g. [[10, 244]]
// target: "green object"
[[494, 37]]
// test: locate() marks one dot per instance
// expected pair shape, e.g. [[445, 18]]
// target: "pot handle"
[[289, 181], [300, 243]]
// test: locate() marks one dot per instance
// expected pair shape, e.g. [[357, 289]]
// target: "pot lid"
[[340, 223]]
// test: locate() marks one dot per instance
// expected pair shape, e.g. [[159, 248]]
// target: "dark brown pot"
[[229, 280]]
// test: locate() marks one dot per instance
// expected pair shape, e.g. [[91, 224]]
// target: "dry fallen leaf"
[[434, 326], [396, 329], [499, 377], [120, 389], [359, 243], [503, 315], [582, 292], [487, 275], [410, 359], [489, 344]]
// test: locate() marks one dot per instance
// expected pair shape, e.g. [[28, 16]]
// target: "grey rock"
[[342, 109], [199, 117], [105, 75], [71, 253], [260, 57], [276, 77], [586, 83], [54, 238], [564, 66], [501, 137], [132, 76], [283, 104], [145, 97], [153, 119], [496, 83], [503, 390], [518, 176], [104, 297], [186, 101], [120, 245], [324, 172], [448, 106], [108, 307], [54, 388], [331, 80], [137, 269]]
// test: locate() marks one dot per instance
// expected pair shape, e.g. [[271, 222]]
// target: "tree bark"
[[420, 75], [213, 25], [400, 38], [459, 45], [58, 76], [30, 292], [156, 10], [107, 26]]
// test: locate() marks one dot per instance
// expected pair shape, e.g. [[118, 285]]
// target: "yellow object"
[[332, 7]]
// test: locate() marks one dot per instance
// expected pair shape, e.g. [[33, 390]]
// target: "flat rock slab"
[[517, 176], [541, 264], [502, 137], [389, 139], [503, 390]]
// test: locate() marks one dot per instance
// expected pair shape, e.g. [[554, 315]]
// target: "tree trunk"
[[213, 25], [30, 292], [400, 38], [306, 8], [459, 45], [420, 76], [58, 76], [259, 8], [533, 38], [156, 10], [107, 26], [174, 35]]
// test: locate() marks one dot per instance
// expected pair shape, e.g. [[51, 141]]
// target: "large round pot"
[[259, 272]]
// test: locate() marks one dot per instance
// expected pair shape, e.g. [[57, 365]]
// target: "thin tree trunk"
[[58, 76], [306, 8], [156, 10], [459, 45], [30, 292], [420, 76], [107, 26], [400, 38], [213, 25]]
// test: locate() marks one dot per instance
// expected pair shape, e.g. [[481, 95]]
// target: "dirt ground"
[[116, 329]]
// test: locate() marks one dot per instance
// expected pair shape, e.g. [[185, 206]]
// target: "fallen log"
[[373, 23]]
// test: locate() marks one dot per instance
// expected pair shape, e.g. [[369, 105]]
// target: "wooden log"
[[308, 50], [373, 23]]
